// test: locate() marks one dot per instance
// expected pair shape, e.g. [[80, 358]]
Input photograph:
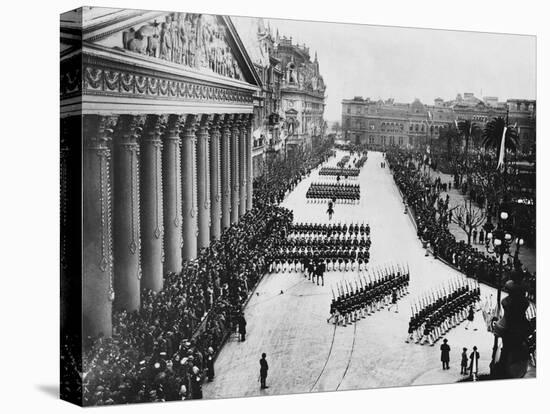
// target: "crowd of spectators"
[[161, 352], [166, 349], [422, 196]]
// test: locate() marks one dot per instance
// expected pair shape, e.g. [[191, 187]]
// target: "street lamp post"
[[499, 242]]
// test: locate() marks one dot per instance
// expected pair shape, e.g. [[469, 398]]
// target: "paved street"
[[287, 314]]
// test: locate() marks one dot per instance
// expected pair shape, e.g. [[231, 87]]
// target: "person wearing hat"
[[264, 367], [196, 384], [445, 350], [464, 362], [474, 359], [210, 364], [241, 321]]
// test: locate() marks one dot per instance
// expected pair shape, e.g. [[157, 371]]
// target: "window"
[[348, 110], [392, 140], [400, 140], [371, 139]]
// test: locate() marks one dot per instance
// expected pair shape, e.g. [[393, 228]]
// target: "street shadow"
[[49, 389]]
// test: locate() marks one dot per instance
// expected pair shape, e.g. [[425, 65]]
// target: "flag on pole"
[[502, 149]]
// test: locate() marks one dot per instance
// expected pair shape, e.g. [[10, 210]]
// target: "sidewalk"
[[527, 255]]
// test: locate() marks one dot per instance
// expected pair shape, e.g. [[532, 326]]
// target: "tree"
[[468, 217], [470, 131], [492, 135]]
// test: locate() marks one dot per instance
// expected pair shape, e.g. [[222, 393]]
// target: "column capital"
[[192, 123], [98, 131], [226, 122], [154, 127], [205, 125], [236, 121], [174, 125], [246, 121], [216, 124], [129, 128]]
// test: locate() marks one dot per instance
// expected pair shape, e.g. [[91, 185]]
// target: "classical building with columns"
[[156, 151]]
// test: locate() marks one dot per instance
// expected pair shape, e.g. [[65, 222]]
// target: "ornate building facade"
[[157, 121], [382, 123], [260, 44], [302, 95]]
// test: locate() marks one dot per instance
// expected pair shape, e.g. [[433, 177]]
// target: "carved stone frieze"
[[195, 41], [102, 81]]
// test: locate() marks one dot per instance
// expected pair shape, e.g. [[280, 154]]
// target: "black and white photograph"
[[257, 206], [274, 207]]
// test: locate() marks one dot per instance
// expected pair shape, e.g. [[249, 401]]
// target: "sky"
[[404, 64]]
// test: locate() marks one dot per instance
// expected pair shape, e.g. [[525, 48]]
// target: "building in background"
[[260, 45], [379, 123], [302, 95], [289, 109]]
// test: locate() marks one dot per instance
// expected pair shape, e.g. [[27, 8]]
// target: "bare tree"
[[468, 217]]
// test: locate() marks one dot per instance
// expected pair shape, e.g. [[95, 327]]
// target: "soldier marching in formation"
[[333, 172], [334, 246], [337, 192], [438, 311], [371, 293]]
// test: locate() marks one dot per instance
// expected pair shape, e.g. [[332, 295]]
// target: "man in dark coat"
[[263, 371], [241, 321], [474, 359], [445, 350], [210, 364]]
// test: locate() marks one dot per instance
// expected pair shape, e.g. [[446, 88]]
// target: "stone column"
[[226, 171], [249, 166], [234, 153], [97, 254], [203, 181], [152, 226], [189, 188], [215, 191], [126, 225], [172, 195], [243, 133]]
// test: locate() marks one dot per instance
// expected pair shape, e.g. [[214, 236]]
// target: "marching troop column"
[[249, 173], [126, 225], [234, 152], [97, 289], [215, 195], [243, 132], [152, 223], [226, 171], [172, 197], [189, 188], [203, 181]]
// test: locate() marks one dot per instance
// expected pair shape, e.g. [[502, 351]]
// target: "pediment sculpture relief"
[[193, 40]]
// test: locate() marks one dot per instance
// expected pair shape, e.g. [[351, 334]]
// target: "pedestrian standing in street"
[[445, 354], [470, 318], [210, 364], [464, 362], [242, 327], [474, 359], [264, 367]]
